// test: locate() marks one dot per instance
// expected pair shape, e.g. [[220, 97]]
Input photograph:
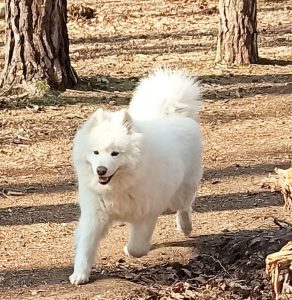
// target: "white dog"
[[134, 165]]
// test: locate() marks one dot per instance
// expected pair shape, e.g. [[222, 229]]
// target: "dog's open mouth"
[[104, 180]]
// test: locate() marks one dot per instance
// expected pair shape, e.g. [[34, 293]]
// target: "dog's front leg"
[[140, 233], [92, 226]]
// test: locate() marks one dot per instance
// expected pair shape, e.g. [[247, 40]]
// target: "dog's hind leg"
[[140, 234], [184, 221], [185, 197]]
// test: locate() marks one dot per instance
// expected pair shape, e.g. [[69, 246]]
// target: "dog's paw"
[[79, 278], [185, 231], [136, 252], [184, 223], [126, 251]]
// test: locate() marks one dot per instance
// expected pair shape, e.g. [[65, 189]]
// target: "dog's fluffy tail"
[[166, 92]]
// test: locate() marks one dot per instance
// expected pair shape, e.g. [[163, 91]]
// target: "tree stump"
[[237, 37], [278, 267], [37, 45]]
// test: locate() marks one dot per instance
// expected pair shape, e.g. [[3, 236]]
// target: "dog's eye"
[[114, 153], [95, 152]]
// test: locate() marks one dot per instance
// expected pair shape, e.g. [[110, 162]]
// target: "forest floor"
[[247, 130]]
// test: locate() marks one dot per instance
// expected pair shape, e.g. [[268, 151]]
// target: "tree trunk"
[[37, 45], [237, 37]]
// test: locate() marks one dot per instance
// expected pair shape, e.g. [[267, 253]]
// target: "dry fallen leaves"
[[76, 11]]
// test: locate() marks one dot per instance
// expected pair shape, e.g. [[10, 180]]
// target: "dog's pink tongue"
[[103, 179]]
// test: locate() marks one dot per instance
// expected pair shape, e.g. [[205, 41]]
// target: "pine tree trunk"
[[237, 38], [37, 45]]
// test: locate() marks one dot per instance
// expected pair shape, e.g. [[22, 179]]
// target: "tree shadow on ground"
[[218, 88], [202, 40], [148, 37], [161, 49], [222, 87], [69, 185], [27, 215], [235, 260], [38, 188], [100, 90], [69, 212], [263, 10], [236, 201], [232, 79], [96, 90], [240, 170], [274, 62], [106, 83]]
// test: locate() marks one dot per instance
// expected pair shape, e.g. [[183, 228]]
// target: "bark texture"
[[237, 37], [37, 44]]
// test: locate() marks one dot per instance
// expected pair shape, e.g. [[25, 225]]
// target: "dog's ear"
[[98, 115], [127, 120]]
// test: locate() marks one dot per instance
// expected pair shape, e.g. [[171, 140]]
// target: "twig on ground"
[[219, 262], [280, 223]]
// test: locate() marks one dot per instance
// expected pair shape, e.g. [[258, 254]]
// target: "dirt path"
[[247, 129]]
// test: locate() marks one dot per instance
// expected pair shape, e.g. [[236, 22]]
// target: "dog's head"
[[112, 144]]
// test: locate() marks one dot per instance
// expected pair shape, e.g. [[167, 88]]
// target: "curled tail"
[[166, 92]]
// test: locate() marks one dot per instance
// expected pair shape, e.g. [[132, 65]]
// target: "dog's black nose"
[[101, 170]]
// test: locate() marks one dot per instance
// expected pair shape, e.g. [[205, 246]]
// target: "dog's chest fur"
[[125, 206]]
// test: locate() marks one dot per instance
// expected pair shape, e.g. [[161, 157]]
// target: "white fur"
[[166, 92], [158, 166]]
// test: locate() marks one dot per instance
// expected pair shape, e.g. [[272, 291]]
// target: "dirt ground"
[[247, 129]]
